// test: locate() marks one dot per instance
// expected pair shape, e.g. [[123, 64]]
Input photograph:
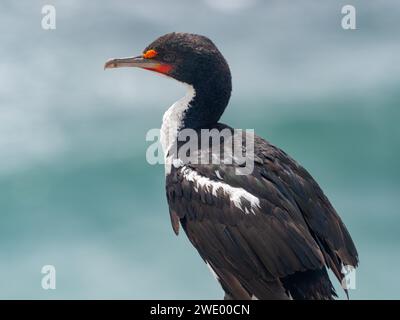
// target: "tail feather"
[[310, 285]]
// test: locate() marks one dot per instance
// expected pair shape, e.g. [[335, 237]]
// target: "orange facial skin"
[[149, 54], [161, 68]]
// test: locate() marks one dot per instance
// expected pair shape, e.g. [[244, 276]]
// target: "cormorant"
[[269, 234]]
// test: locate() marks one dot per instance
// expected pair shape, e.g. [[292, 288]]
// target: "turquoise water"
[[76, 190]]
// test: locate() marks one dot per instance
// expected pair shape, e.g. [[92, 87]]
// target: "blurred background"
[[76, 191]]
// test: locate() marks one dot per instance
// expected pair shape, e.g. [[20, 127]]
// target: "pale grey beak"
[[138, 62]]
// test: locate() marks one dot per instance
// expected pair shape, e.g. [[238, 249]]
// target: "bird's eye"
[[149, 54], [169, 57]]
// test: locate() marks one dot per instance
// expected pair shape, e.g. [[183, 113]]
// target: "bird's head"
[[188, 58]]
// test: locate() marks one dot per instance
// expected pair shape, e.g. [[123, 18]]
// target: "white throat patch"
[[173, 122]]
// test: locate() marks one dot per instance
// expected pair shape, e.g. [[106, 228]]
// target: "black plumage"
[[279, 248], [283, 248]]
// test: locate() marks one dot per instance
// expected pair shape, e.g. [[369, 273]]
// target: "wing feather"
[[294, 229]]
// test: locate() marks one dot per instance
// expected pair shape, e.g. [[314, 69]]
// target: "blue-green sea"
[[76, 190]]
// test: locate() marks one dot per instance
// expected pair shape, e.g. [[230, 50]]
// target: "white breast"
[[173, 122]]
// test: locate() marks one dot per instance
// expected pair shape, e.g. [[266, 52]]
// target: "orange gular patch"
[[161, 68]]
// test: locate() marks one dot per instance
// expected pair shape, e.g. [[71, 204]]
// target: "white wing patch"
[[236, 195]]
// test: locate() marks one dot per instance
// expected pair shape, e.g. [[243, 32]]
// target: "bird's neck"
[[208, 104], [201, 107]]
